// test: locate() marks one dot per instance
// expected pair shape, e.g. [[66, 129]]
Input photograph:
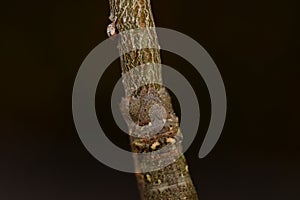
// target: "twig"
[[173, 181]]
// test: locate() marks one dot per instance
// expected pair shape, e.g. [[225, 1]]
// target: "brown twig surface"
[[172, 181]]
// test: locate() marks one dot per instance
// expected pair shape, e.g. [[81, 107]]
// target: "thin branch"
[[173, 181]]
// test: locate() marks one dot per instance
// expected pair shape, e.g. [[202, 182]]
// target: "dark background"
[[255, 45]]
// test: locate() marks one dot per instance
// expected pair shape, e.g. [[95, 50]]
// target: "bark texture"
[[173, 181]]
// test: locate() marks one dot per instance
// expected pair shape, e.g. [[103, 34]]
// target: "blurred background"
[[255, 45]]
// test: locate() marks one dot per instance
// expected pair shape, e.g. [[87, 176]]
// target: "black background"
[[255, 45]]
